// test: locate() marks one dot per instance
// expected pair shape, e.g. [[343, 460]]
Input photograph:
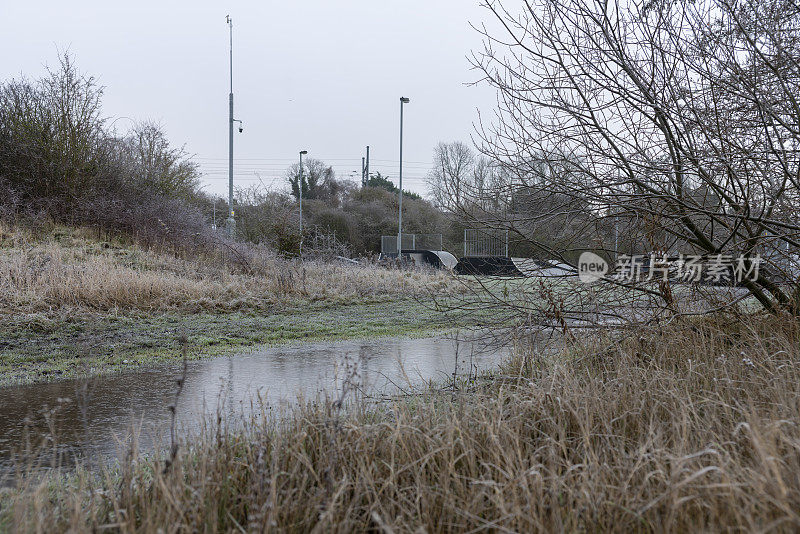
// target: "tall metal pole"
[[366, 171], [231, 221], [403, 100], [300, 196]]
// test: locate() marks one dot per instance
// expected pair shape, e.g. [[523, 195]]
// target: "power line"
[[291, 161]]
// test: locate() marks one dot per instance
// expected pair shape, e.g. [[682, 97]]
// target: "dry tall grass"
[[691, 428], [68, 269]]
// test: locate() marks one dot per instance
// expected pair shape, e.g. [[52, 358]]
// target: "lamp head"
[[303, 152], [405, 100]]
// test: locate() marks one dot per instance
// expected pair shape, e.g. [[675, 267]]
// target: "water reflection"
[[96, 416]]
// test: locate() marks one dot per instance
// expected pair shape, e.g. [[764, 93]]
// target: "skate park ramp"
[[546, 269], [515, 267], [445, 258], [440, 259], [487, 266], [423, 249]]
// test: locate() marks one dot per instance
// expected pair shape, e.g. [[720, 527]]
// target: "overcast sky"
[[320, 75]]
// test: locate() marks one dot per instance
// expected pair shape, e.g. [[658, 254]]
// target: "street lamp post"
[[403, 100], [300, 196]]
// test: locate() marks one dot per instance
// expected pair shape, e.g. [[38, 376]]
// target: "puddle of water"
[[95, 416]]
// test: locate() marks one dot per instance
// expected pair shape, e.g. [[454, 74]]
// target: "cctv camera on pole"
[[231, 222]]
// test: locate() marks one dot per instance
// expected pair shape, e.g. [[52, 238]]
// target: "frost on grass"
[[70, 270]]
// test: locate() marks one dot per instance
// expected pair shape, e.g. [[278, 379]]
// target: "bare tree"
[[450, 178], [461, 181], [157, 166], [674, 123]]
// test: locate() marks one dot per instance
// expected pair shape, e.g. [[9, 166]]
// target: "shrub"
[[58, 160]]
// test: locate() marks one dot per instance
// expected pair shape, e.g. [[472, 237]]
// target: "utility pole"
[[365, 170], [231, 222], [403, 100], [300, 196]]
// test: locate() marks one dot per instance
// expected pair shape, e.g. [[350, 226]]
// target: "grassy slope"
[[76, 306], [72, 305]]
